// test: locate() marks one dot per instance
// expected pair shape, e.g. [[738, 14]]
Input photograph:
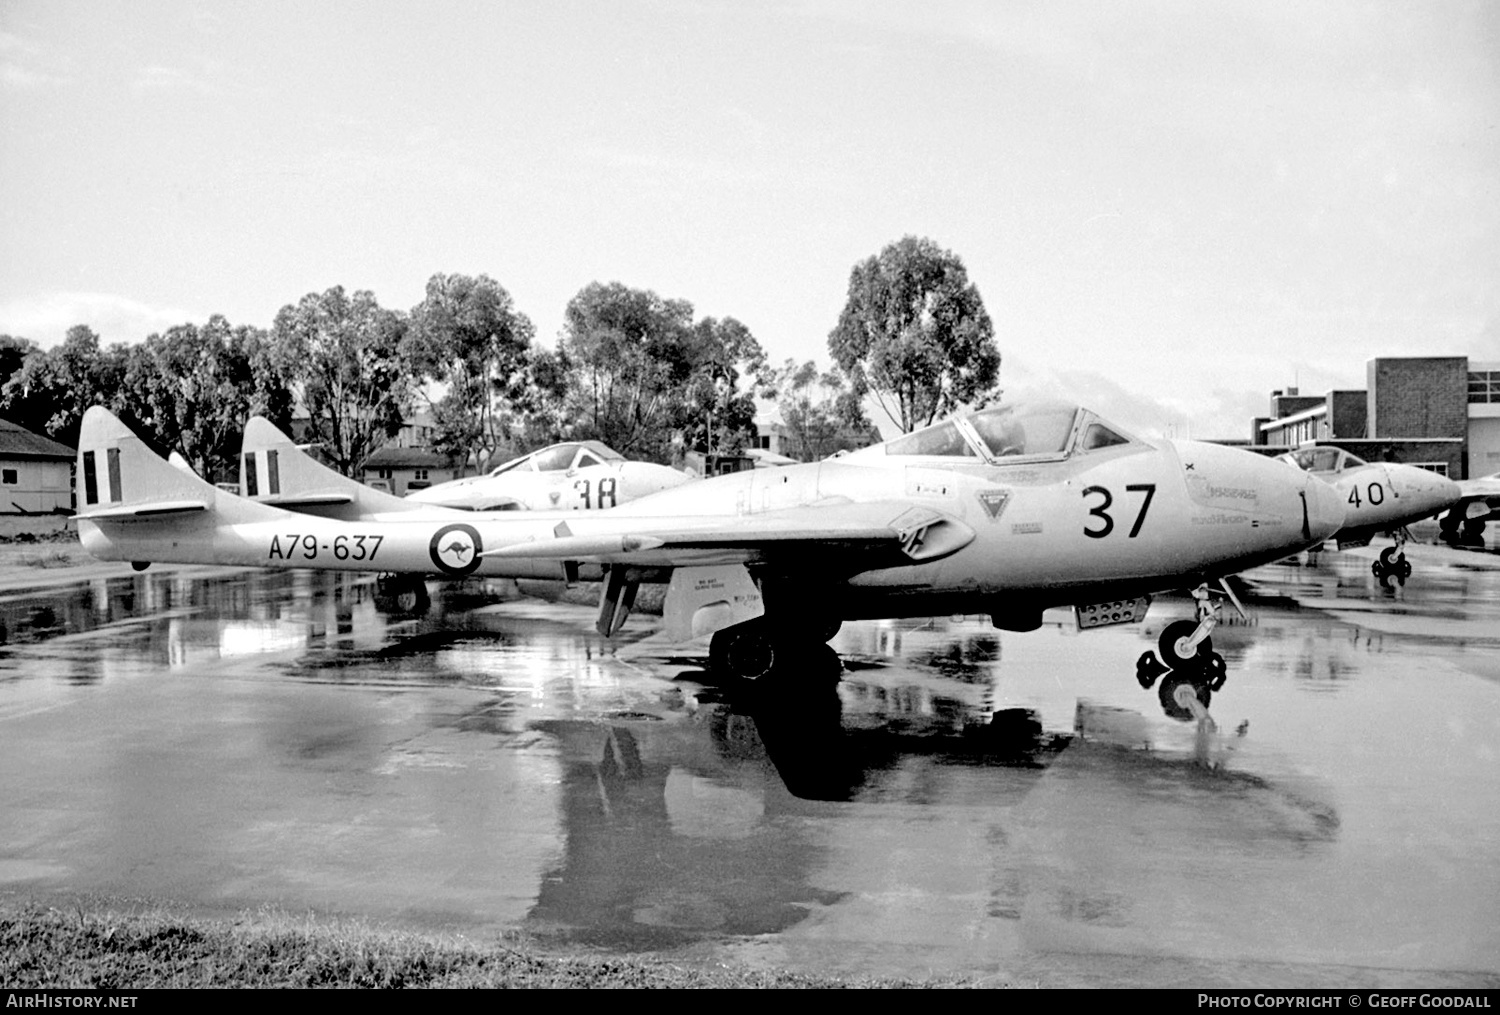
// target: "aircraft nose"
[[1325, 508], [1423, 489]]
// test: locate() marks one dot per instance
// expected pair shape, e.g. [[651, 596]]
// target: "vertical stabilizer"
[[119, 478], [275, 471]]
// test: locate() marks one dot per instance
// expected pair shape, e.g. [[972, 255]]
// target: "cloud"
[[1206, 415], [46, 319], [25, 65], [169, 79]]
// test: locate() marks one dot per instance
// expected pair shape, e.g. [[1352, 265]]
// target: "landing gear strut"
[[1189, 666], [1392, 562]]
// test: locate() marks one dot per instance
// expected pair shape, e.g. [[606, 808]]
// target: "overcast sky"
[[1169, 208]]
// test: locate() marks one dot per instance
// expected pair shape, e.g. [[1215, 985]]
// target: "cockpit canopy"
[[1322, 460], [1004, 433], [561, 457]]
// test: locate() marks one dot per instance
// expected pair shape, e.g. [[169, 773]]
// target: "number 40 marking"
[[1101, 510]]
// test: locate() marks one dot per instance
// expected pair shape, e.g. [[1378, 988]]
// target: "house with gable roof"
[[36, 473]]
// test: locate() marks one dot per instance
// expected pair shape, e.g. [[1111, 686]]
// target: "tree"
[[53, 387], [715, 414], [468, 335], [820, 412], [352, 368], [914, 334], [194, 387], [641, 373], [13, 352]]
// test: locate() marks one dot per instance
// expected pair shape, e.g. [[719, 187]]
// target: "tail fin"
[[122, 480], [275, 471]]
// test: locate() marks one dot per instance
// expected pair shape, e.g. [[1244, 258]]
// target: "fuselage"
[[584, 476], [1378, 497], [1074, 525]]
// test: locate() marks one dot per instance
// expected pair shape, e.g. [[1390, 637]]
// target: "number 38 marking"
[[606, 492], [1101, 510]]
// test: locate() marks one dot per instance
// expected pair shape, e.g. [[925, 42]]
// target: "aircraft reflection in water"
[[635, 801], [1379, 497], [1007, 511], [676, 828]]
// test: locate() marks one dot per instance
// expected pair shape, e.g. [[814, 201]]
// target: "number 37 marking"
[[1101, 510]]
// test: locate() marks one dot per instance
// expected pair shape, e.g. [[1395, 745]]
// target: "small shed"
[[400, 470], [36, 473]]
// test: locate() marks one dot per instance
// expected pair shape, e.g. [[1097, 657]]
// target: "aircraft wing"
[[864, 536]]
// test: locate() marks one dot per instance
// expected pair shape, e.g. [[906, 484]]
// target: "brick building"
[[1440, 412]]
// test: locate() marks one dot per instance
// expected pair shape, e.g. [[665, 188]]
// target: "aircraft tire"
[[1166, 693], [1388, 558], [1167, 644], [743, 652]]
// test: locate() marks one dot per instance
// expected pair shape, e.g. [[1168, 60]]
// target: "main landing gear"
[[1189, 668], [1392, 562], [1460, 529], [751, 651], [402, 594]]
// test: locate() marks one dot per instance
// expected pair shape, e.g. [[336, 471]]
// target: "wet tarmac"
[[1010, 807]]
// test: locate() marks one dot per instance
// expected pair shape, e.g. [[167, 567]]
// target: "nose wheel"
[[1392, 565], [1189, 669]]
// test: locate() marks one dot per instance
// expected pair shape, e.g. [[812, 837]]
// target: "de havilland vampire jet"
[[574, 476], [1379, 497], [275, 470], [1009, 510]]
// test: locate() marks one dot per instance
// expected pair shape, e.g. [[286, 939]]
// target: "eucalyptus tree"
[[352, 368], [194, 386], [819, 411], [643, 375], [914, 334], [52, 388], [468, 336]]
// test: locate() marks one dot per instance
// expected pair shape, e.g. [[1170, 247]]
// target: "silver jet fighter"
[[1007, 511], [575, 476], [1379, 497]]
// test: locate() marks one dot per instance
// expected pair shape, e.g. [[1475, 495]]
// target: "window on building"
[[8, 477], [1441, 468], [1484, 386], [419, 474]]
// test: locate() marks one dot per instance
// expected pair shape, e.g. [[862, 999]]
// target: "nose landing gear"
[[1392, 563], [1190, 669]]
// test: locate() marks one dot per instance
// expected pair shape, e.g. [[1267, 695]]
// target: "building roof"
[[18, 442]]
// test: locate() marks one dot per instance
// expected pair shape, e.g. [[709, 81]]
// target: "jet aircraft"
[[1379, 497], [1478, 501], [1009, 511], [575, 476], [275, 470]]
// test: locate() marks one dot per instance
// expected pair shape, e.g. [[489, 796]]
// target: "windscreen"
[[1025, 430]]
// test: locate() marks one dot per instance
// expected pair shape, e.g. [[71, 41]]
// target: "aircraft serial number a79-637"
[[1007, 511]]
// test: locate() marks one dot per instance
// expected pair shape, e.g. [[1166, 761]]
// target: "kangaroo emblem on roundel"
[[455, 549]]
